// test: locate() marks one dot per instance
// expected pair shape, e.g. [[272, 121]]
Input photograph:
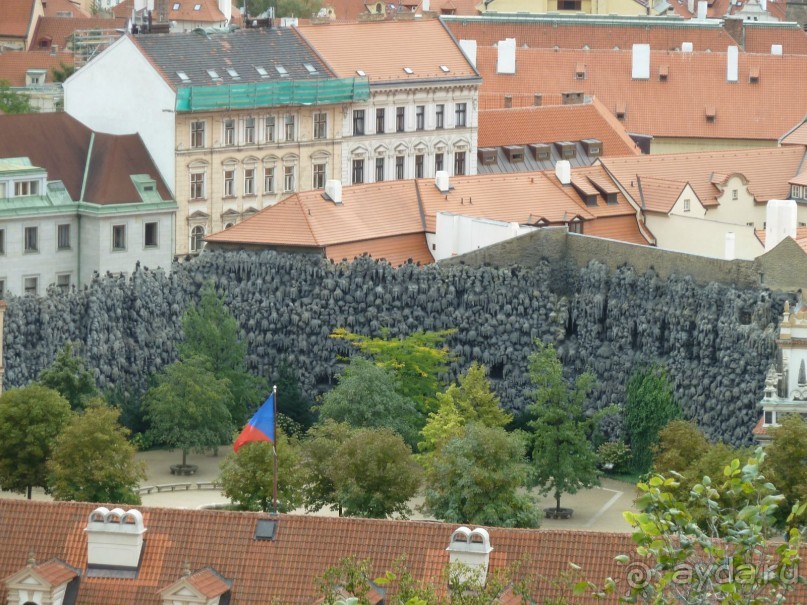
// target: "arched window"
[[197, 233]]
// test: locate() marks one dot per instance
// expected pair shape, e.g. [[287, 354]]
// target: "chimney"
[[702, 10], [781, 220], [472, 550], [333, 191], [776, 50], [469, 48], [442, 182], [686, 47], [537, 99], [506, 62], [763, 4], [691, 6], [425, 6], [641, 62], [730, 249], [508, 101], [114, 539], [563, 170], [732, 66], [2, 367]]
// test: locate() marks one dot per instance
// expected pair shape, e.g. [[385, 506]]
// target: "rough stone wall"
[[716, 340]]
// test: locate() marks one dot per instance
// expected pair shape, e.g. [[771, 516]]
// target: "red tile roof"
[[209, 583], [658, 195], [759, 38], [396, 250], [344, 47], [57, 30], [796, 136], [673, 107], [186, 10], [14, 65], [17, 15], [801, 240], [55, 572], [53, 7], [552, 123]]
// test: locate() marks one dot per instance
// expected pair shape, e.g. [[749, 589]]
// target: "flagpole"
[[274, 450]]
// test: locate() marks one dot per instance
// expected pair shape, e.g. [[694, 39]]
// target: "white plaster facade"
[[456, 234]]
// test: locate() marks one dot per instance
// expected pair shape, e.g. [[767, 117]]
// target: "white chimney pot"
[[702, 6], [333, 189], [442, 182], [563, 170]]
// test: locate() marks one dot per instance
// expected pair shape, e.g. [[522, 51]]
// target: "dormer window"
[[797, 192], [686, 205], [262, 72], [26, 188], [282, 71]]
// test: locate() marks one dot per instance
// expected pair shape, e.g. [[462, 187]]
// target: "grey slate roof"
[[530, 164], [243, 51]]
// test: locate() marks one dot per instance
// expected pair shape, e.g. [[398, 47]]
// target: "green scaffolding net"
[[271, 94]]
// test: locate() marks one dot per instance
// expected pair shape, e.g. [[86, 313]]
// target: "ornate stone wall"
[[716, 340]]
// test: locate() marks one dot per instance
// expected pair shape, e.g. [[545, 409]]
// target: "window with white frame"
[[229, 182], [197, 233], [249, 180], [289, 122], [150, 234], [440, 116], [26, 188], [318, 170], [63, 237], [379, 169], [30, 285], [288, 178], [460, 115], [249, 130], [358, 122], [400, 119], [379, 120], [118, 238], [459, 163], [320, 125], [269, 129], [399, 167], [419, 166], [229, 131], [420, 117], [358, 171], [735, 194], [438, 162], [197, 185], [31, 239], [686, 205], [197, 134], [268, 179], [2, 241]]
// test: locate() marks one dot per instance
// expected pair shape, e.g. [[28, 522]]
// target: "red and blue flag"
[[261, 426]]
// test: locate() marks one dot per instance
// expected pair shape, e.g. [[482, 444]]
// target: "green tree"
[[68, 374], [211, 331], [283, 8], [366, 396], [247, 477], [680, 444], [786, 462], [189, 408], [478, 478], [418, 360], [92, 460], [30, 420], [61, 73], [730, 560], [291, 402], [13, 102], [319, 448], [564, 460], [649, 406]]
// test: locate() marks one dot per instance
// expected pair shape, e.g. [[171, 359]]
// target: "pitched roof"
[[796, 135], [243, 51], [55, 572], [17, 15], [767, 171], [552, 123], [57, 30], [59, 8], [759, 37], [344, 46], [658, 195], [202, 11], [14, 65], [801, 240], [60, 144], [675, 106]]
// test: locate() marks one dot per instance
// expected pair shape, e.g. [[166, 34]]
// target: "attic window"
[[710, 113], [183, 76], [176, 6], [753, 75], [266, 529], [610, 198], [409, 70], [310, 68], [663, 72], [445, 69], [580, 72], [213, 74], [233, 74], [262, 72], [281, 70], [197, 7], [361, 73]]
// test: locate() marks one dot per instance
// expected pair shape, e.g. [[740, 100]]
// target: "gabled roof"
[[800, 239], [767, 171], [57, 30], [796, 135], [675, 106], [658, 195], [243, 51], [344, 47], [14, 65], [60, 144], [552, 123], [202, 11], [759, 36], [59, 8], [17, 16]]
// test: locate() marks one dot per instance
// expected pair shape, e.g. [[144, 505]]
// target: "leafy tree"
[[61, 73], [290, 401], [786, 462], [92, 460], [189, 408], [283, 8], [477, 478], [563, 459], [680, 444], [247, 477], [366, 397], [729, 560], [419, 360], [68, 374], [12, 101], [30, 420], [649, 406], [366, 472], [211, 331]]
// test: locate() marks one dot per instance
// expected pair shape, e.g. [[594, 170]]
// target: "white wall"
[[704, 237], [119, 92], [456, 234]]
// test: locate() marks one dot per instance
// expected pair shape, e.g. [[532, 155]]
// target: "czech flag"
[[261, 426]]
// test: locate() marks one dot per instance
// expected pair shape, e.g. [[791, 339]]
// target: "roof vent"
[[641, 62], [537, 99], [621, 110], [506, 61], [442, 182], [776, 50], [753, 75], [571, 98], [514, 153], [732, 65], [563, 170], [333, 191], [469, 49], [471, 549], [711, 113], [687, 47], [487, 155], [54, 49], [663, 72], [593, 147], [114, 539]]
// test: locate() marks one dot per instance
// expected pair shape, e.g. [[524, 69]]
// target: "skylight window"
[[262, 72], [197, 7], [445, 68], [409, 70], [361, 73], [183, 76], [233, 74], [281, 70], [213, 74], [176, 6], [310, 68]]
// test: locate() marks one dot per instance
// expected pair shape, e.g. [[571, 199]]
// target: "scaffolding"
[[271, 94], [88, 43]]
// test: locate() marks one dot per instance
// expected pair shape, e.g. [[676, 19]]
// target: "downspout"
[[81, 199]]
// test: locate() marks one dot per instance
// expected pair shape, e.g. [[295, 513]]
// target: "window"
[[420, 117], [400, 119], [358, 122], [319, 176], [229, 183], [214, 75], [269, 131], [289, 121], [268, 179], [734, 194], [197, 134], [30, 285], [229, 132], [249, 181], [379, 169], [459, 162], [150, 235], [575, 226], [379, 120], [197, 185], [769, 417], [2, 241], [63, 282], [570, 5], [249, 130], [460, 115], [23, 188], [119, 237], [197, 233], [438, 162], [399, 167], [419, 160], [358, 171], [686, 205], [320, 125], [63, 237], [31, 239], [795, 192], [288, 178], [2, 289], [439, 116]]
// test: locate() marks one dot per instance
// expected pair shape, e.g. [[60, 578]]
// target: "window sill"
[[250, 195], [30, 252], [117, 250], [64, 249], [198, 199]]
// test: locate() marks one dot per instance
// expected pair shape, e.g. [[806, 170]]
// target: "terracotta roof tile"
[[762, 110], [396, 250], [14, 65], [17, 15], [659, 195], [59, 8], [57, 30], [55, 572], [123, 9], [209, 583], [344, 47], [796, 136], [760, 37], [202, 11]]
